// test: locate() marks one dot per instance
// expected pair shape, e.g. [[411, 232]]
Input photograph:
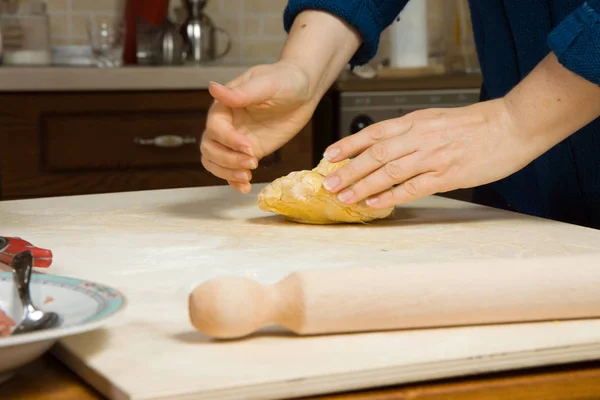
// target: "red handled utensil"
[[11, 246]]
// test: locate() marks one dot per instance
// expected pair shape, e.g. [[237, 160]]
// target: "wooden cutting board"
[[155, 246]]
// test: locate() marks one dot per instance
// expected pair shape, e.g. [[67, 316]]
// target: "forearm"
[[321, 44], [550, 104]]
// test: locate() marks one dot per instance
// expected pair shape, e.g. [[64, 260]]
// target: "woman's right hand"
[[252, 116], [265, 107]]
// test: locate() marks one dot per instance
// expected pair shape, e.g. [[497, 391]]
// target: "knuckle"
[[377, 132], [441, 161], [394, 170], [448, 161], [211, 134], [205, 163], [347, 172], [388, 197], [430, 113], [348, 144], [411, 188], [379, 152], [418, 115], [204, 147]]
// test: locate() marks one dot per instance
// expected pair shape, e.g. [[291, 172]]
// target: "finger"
[[226, 157], [244, 92], [375, 157], [384, 178], [219, 127], [228, 174], [415, 188], [240, 186], [354, 144]]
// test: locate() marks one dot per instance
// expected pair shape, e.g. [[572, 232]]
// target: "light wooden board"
[[155, 246]]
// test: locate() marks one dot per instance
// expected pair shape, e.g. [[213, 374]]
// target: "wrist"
[[551, 104], [529, 144], [320, 60]]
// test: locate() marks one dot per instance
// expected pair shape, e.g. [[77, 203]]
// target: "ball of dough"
[[301, 197]]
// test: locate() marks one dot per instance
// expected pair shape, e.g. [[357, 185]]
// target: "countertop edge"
[[38, 79], [135, 78]]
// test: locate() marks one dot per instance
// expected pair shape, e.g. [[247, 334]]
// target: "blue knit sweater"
[[512, 36]]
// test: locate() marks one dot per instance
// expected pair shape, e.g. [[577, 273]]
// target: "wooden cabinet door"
[[54, 144]]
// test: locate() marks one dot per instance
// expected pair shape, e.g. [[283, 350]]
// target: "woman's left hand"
[[427, 152]]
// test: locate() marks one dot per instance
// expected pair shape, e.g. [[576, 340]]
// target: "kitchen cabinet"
[[69, 131], [83, 142]]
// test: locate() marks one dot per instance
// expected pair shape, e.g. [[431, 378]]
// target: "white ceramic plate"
[[82, 305]]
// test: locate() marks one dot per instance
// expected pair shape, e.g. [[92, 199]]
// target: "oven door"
[[361, 109]]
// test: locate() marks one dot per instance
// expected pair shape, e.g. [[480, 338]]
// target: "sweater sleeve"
[[368, 17], [576, 41]]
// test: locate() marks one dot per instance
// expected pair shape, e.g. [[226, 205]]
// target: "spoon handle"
[[11, 246], [22, 266]]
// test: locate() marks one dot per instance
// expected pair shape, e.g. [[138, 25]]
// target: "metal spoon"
[[33, 319]]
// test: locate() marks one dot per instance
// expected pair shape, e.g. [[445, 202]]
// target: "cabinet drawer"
[[62, 144], [121, 140]]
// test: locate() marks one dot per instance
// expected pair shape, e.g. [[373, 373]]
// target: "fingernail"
[[372, 200], [250, 164], [216, 83], [331, 182], [346, 195], [331, 153], [249, 151], [242, 176]]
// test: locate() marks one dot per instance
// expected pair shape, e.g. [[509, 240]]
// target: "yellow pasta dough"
[[301, 197]]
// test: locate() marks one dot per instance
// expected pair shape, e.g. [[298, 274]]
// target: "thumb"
[[254, 90]]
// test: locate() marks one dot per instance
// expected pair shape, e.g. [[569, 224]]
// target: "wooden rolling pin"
[[320, 301]]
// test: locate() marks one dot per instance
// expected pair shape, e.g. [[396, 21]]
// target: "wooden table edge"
[[48, 379]]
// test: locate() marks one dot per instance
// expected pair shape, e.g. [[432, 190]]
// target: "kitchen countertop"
[[64, 78], [30, 79]]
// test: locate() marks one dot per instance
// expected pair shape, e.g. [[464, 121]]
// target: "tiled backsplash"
[[256, 26]]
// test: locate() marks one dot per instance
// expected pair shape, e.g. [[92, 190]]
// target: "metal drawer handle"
[[166, 141]]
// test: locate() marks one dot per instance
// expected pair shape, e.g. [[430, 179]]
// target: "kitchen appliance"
[[360, 109], [25, 32], [200, 34], [143, 22]]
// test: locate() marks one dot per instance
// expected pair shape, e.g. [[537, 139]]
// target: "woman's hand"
[[427, 152], [268, 105], [439, 150], [253, 116]]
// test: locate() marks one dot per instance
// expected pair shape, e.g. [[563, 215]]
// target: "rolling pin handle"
[[232, 307]]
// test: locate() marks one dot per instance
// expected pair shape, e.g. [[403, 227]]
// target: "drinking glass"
[[106, 37]]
